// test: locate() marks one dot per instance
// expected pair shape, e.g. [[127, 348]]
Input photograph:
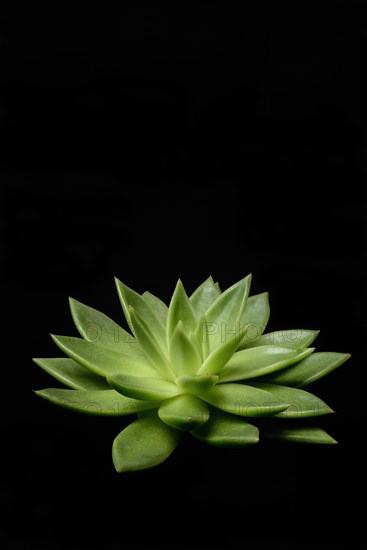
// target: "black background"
[[152, 143]]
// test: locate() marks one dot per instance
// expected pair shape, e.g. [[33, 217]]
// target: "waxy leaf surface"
[[100, 402], [310, 369], [101, 360], [204, 296], [184, 412], [141, 387], [256, 316], [96, 327], [145, 443], [253, 362], [130, 298], [72, 374], [227, 430], [291, 338], [244, 400], [301, 403]]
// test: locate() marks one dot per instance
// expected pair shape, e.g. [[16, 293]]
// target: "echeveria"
[[201, 364]]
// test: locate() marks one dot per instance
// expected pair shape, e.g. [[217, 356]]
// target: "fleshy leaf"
[[226, 430], [184, 356], [221, 354], [184, 412], [256, 316], [254, 362], [129, 297], [204, 296], [95, 326], [224, 315], [244, 400], [72, 374], [145, 443], [309, 369], [100, 402], [303, 434], [159, 308], [180, 309], [101, 360], [141, 387], [197, 384], [301, 403], [292, 338], [150, 346]]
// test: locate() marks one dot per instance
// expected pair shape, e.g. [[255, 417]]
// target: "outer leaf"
[[294, 338], [256, 315], [180, 309], [226, 430], [224, 315], [184, 412], [202, 337], [220, 355], [140, 387], [101, 360], [143, 444], [244, 400], [184, 357], [255, 362], [159, 308], [101, 402], [150, 346], [299, 435], [197, 385], [129, 297], [72, 374], [302, 403], [309, 370], [204, 296], [95, 326]]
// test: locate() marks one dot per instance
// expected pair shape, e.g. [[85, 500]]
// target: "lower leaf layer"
[[184, 412], [100, 403], [226, 430], [145, 443], [244, 400], [299, 435]]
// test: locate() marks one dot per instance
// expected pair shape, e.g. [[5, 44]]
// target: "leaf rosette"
[[202, 364]]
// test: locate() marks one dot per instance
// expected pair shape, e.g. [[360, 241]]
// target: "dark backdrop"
[[152, 143]]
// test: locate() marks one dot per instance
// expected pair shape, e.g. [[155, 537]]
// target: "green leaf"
[[129, 297], [145, 443], [301, 403], [221, 355], [140, 387], [254, 362], [72, 374], [99, 402], [243, 400], [292, 338], [150, 346], [180, 309], [197, 384], [204, 296], [184, 412], [224, 315], [256, 316], [95, 326], [101, 360], [299, 435], [309, 370], [159, 308], [226, 430], [184, 356]]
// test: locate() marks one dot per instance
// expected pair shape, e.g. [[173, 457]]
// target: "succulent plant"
[[203, 364]]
